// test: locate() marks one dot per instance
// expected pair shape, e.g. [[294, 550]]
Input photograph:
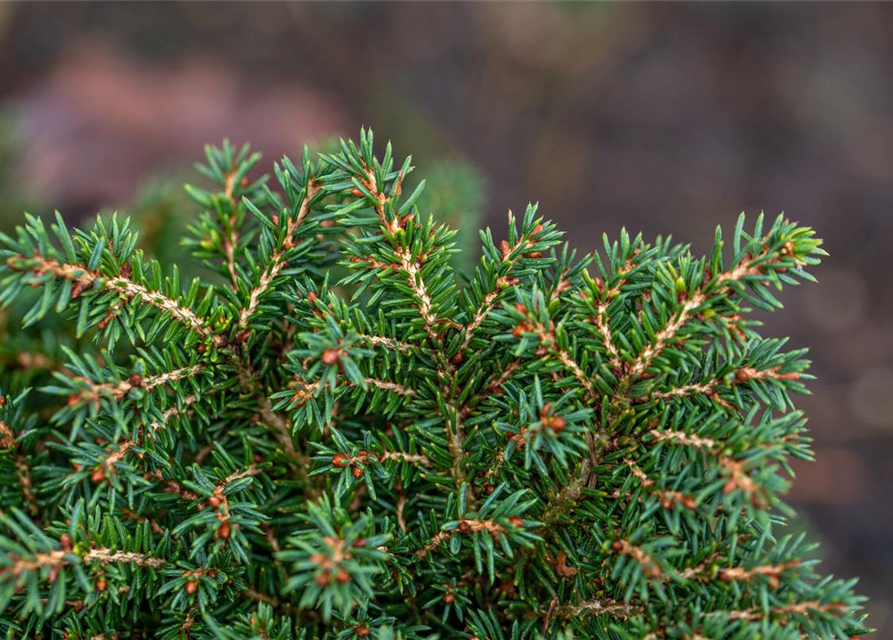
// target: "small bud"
[[340, 460], [362, 631], [322, 580], [359, 543], [617, 545], [214, 502], [224, 531], [516, 521], [65, 542], [343, 577], [191, 587], [330, 357], [136, 380], [680, 285], [357, 472], [100, 584], [448, 597], [98, 475]]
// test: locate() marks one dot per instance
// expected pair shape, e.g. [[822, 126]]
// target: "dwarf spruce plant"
[[332, 435]]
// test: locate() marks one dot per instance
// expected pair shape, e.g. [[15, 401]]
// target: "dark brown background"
[[666, 118]]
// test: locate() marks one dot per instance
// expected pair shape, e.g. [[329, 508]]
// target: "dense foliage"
[[338, 438]]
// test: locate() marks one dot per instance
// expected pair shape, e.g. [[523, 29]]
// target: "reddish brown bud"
[[362, 631], [98, 475], [214, 502], [448, 597], [191, 587], [100, 584], [340, 460], [505, 248], [537, 230], [359, 543], [357, 472], [343, 577], [136, 380], [516, 521], [330, 357], [65, 542], [617, 545], [242, 336], [322, 579], [224, 531], [2, 401]]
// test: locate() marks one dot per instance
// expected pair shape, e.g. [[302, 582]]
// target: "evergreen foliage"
[[341, 439]]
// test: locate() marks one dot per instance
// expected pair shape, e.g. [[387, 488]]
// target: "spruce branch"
[[346, 440]]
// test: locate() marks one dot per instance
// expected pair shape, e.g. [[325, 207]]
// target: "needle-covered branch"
[[331, 435]]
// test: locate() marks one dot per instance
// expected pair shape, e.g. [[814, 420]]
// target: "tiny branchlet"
[[330, 435]]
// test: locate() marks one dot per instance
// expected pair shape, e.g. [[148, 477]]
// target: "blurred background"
[[666, 118]]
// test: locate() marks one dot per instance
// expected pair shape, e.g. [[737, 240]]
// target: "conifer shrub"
[[331, 435]]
